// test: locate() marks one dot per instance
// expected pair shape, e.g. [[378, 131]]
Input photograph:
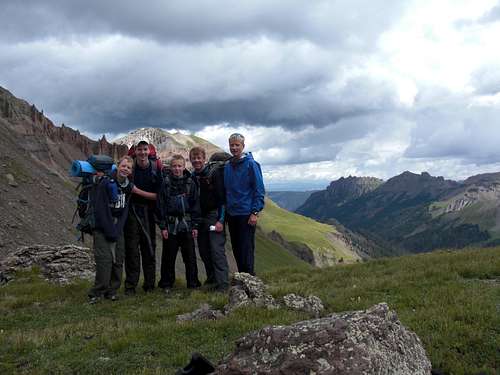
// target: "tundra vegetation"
[[451, 299]]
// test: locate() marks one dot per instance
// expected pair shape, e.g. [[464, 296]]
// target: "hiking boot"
[[209, 282], [93, 300], [221, 289], [130, 292], [112, 297], [194, 285]]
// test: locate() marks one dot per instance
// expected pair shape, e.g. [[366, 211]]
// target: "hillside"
[[289, 200], [450, 299], [318, 244], [419, 212], [36, 204]]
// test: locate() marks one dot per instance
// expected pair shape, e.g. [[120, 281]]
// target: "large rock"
[[248, 290], [351, 343], [60, 264]]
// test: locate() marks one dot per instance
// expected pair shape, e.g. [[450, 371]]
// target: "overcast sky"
[[321, 89]]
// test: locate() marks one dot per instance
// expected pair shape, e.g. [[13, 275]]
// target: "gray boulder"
[[352, 343], [248, 290], [59, 264]]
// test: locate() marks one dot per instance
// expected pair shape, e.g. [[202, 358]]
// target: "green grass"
[[450, 299], [301, 229], [270, 256]]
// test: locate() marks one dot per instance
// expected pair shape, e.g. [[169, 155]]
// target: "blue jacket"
[[244, 186]]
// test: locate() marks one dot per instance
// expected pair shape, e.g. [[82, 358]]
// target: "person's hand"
[[252, 220], [164, 234], [219, 227], [195, 233]]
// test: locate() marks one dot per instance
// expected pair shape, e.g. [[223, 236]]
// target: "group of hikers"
[[187, 207]]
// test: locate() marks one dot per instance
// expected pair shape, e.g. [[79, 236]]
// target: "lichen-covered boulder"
[[59, 264], [312, 304], [351, 343], [248, 290]]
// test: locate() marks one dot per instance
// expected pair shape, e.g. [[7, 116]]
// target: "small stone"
[[205, 312], [23, 201], [11, 180]]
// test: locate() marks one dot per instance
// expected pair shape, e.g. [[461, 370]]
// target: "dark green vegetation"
[[413, 212], [450, 299]]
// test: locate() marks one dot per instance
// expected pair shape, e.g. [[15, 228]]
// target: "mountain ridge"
[[418, 212]]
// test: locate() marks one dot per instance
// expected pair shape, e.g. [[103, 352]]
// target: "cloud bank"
[[321, 89]]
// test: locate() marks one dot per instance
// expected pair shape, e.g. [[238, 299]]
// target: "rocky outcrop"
[[168, 144], [59, 264], [47, 142], [352, 343], [248, 290]]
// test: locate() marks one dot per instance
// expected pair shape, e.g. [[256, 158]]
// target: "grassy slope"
[[301, 229], [450, 299], [271, 256]]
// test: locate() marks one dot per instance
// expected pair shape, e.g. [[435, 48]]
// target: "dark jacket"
[[244, 186], [212, 193], [110, 210], [178, 203]]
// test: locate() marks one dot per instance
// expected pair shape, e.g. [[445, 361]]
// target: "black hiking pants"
[[108, 265], [140, 241], [184, 241], [243, 242], [212, 252]]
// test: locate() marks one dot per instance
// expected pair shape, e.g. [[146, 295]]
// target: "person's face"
[[236, 147], [142, 153], [197, 161], [124, 168], [177, 167]]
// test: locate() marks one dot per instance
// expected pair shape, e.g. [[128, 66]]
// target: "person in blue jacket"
[[244, 200]]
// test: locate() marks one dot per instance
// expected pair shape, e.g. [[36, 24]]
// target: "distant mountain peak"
[[167, 143]]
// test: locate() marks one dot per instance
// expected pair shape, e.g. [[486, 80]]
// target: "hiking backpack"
[[215, 168], [87, 190]]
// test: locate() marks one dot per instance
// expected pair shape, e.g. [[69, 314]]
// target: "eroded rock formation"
[[59, 264]]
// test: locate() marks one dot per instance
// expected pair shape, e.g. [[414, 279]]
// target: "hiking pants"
[[212, 252], [184, 241], [140, 241], [108, 265], [243, 242]]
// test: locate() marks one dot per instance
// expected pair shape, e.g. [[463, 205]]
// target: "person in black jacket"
[[211, 234], [140, 228], [178, 213], [110, 204]]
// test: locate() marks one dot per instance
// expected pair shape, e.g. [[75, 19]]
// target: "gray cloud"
[[315, 74], [340, 23]]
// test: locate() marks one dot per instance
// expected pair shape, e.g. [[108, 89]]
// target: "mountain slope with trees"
[[419, 212]]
